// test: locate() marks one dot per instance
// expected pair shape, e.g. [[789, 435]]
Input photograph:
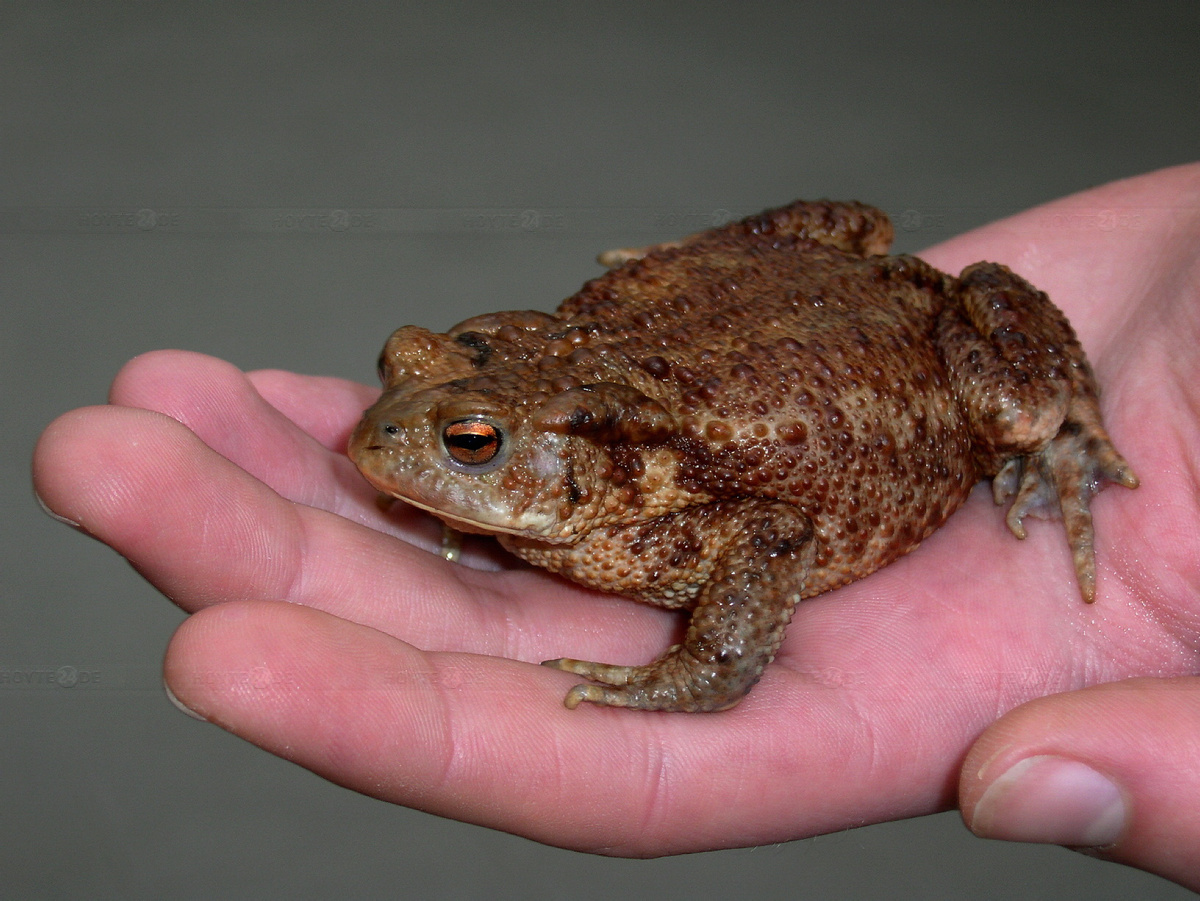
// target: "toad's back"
[[803, 373]]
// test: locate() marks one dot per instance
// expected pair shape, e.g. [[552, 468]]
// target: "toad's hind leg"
[[1033, 406], [737, 624]]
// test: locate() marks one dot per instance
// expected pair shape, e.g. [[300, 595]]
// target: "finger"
[[488, 740], [217, 402], [325, 408], [370, 712], [204, 531], [1112, 769]]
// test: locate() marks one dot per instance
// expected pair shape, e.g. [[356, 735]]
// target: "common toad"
[[739, 420]]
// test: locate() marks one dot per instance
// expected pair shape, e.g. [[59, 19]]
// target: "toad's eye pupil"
[[471, 442]]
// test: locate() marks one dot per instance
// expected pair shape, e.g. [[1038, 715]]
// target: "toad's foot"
[[1062, 479], [676, 681]]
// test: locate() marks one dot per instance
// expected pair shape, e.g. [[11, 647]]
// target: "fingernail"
[[180, 705], [57, 516], [1051, 800]]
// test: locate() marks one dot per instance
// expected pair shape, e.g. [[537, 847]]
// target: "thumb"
[[1113, 770]]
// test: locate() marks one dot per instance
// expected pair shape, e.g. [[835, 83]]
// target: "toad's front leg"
[[741, 566]]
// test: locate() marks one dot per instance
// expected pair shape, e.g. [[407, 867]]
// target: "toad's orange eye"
[[472, 442]]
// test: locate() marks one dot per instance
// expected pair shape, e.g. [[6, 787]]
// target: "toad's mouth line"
[[472, 526]]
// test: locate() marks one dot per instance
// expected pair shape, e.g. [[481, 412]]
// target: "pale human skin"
[[415, 680]]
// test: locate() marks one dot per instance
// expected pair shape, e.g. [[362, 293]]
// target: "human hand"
[[414, 680]]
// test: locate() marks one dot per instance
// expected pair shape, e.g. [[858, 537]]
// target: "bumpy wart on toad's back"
[[734, 422]]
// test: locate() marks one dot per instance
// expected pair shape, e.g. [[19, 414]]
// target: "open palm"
[[323, 632]]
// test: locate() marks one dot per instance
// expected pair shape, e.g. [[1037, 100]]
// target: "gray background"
[[281, 185]]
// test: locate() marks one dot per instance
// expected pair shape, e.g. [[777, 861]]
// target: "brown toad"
[[731, 423]]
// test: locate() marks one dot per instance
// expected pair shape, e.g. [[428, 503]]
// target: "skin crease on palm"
[[414, 680]]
